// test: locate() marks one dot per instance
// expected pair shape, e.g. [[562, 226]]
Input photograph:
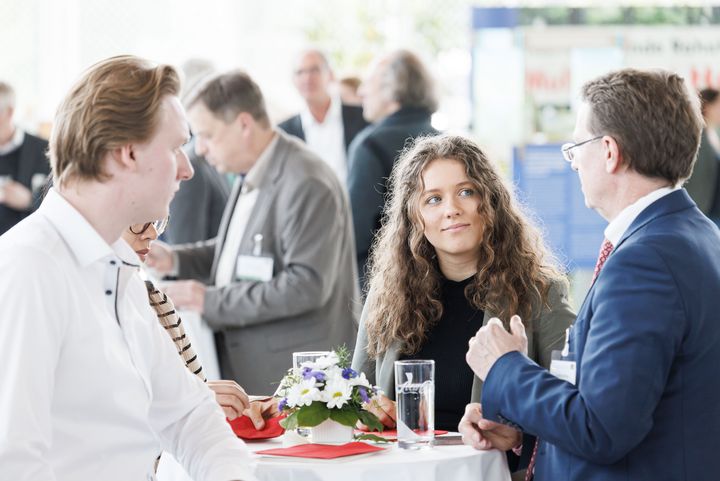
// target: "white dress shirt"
[[615, 229], [327, 139], [225, 273], [91, 387], [14, 143]]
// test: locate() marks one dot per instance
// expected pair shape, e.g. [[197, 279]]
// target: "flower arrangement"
[[326, 389]]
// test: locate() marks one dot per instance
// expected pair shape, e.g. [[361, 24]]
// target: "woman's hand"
[[231, 397], [260, 410], [385, 410]]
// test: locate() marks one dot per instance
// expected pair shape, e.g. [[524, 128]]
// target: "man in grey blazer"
[[281, 274]]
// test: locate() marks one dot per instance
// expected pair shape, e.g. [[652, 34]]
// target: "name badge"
[[254, 268], [563, 367]]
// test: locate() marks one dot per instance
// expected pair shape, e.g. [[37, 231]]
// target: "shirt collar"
[[615, 229], [14, 143], [256, 175], [334, 113], [83, 240]]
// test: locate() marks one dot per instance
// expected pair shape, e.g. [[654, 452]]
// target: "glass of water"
[[415, 397], [298, 359], [307, 356]]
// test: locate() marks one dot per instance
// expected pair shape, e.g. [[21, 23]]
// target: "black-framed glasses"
[[160, 226], [567, 148]]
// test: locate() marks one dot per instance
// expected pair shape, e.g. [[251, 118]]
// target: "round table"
[[440, 463]]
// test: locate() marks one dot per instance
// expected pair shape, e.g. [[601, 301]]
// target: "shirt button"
[[108, 292], [112, 263]]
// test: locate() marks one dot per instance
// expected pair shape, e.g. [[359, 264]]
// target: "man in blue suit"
[[645, 401]]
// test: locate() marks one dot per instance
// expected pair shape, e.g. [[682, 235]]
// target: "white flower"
[[326, 361], [336, 393], [360, 380], [303, 393]]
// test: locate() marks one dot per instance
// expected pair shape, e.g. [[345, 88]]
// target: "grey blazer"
[[547, 334], [311, 303]]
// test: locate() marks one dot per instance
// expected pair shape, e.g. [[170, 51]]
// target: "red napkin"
[[322, 451], [391, 434], [244, 428]]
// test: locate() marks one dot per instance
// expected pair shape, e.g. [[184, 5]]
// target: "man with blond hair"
[[92, 389]]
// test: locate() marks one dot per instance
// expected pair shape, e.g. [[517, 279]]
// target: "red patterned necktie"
[[605, 250]]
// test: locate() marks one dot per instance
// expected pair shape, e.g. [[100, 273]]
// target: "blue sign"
[[550, 190]]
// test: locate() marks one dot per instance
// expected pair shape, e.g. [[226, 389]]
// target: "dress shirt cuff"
[[493, 387]]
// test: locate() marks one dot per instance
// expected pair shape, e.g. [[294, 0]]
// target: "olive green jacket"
[[546, 335]]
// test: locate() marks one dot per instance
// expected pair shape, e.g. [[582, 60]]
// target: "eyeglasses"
[[567, 148], [160, 226]]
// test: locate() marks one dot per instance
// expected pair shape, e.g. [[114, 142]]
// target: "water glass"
[[298, 359], [415, 397], [307, 356]]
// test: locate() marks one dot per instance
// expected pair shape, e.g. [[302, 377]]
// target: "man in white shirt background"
[[92, 389], [325, 123], [23, 164]]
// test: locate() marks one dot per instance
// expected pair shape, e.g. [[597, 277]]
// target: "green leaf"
[[346, 418], [370, 420], [370, 437], [344, 356], [290, 422], [312, 415]]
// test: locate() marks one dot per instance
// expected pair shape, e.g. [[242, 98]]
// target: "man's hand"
[[482, 434], [231, 397], [385, 410], [259, 411], [15, 195], [188, 295], [492, 341], [160, 258]]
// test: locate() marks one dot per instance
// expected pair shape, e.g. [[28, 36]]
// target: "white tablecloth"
[[441, 463]]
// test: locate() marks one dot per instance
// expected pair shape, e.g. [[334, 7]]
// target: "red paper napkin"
[[322, 451], [244, 428], [391, 434]]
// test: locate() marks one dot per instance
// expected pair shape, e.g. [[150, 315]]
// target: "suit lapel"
[[266, 195]]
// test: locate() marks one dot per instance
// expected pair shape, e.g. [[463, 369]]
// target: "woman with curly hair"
[[454, 251]]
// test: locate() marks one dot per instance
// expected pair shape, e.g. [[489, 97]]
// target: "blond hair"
[[115, 102]]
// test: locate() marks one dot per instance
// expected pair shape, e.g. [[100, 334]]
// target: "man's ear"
[[245, 121], [123, 158], [613, 156]]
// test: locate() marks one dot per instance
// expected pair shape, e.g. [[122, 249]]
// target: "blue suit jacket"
[[646, 404]]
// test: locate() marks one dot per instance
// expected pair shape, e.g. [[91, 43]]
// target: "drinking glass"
[[298, 359], [307, 356], [415, 397]]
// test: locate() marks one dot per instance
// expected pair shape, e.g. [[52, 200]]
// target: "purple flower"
[[308, 373], [349, 373], [363, 394], [282, 404]]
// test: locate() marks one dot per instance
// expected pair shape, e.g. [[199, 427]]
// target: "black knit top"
[[447, 343]]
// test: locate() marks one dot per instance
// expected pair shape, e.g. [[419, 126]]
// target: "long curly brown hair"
[[514, 269]]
